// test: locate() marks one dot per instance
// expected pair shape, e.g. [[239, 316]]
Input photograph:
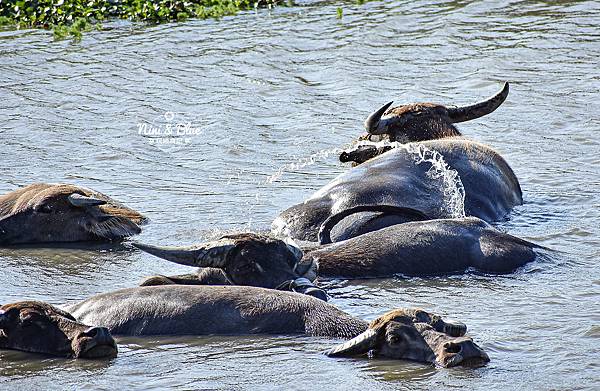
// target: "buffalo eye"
[[26, 318], [31, 318], [246, 268], [394, 339], [45, 208]]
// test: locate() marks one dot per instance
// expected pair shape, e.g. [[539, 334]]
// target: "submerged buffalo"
[[403, 175], [42, 213], [37, 327], [408, 334], [428, 121], [241, 259], [418, 248]]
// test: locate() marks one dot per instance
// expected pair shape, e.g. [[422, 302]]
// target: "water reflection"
[[19, 365], [395, 370]]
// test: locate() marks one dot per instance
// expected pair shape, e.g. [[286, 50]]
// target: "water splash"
[[263, 189], [452, 187], [304, 162], [451, 184]]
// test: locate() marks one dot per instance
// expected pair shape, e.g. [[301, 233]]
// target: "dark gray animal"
[[241, 259], [37, 327], [233, 310], [399, 176], [418, 248], [428, 121], [43, 213]]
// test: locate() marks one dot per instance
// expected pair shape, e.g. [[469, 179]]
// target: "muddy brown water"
[[270, 95]]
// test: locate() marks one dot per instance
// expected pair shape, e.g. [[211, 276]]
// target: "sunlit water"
[[268, 92]]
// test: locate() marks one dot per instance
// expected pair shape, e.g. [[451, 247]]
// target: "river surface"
[[272, 96]]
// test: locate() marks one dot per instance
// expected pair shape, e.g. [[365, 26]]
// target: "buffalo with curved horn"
[[401, 176], [43, 213], [428, 121], [240, 259], [419, 248], [408, 334]]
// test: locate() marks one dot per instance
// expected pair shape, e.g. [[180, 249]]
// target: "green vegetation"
[[72, 17], [340, 10]]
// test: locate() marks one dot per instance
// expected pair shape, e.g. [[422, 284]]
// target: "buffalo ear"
[[452, 328]]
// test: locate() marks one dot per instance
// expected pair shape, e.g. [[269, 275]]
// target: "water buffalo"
[[428, 121], [42, 213], [420, 248], [37, 327], [233, 310], [417, 248], [439, 173], [241, 259]]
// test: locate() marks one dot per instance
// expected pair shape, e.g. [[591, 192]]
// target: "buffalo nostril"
[[451, 347], [96, 332], [91, 332], [316, 292], [99, 334]]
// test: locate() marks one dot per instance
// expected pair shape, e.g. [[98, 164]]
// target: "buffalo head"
[[416, 335], [360, 153], [42, 213], [38, 327], [427, 121], [247, 259]]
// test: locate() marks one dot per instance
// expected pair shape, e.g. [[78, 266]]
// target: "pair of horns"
[[374, 124], [82, 201], [210, 254], [367, 340]]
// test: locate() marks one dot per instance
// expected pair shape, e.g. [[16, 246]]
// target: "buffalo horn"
[[467, 113], [455, 329], [211, 254], [360, 344], [324, 235], [374, 120], [82, 201]]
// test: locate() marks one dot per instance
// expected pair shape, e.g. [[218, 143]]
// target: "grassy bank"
[[73, 17]]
